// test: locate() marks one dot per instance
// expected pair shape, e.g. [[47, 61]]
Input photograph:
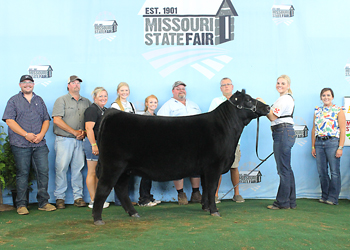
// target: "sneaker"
[[217, 201], [182, 198], [91, 204], [149, 204], [22, 210], [48, 207], [329, 202], [273, 207], [196, 197], [157, 201], [60, 204], [79, 202], [322, 200], [238, 198]]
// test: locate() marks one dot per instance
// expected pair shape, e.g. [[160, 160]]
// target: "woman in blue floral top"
[[328, 137]]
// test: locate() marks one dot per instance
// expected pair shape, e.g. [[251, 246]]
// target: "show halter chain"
[[256, 148]]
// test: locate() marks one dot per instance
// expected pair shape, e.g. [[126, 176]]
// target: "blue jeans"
[[283, 141], [69, 152], [88, 150], [325, 154], [38, 158]]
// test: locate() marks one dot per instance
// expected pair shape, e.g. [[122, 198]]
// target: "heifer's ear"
[[243, 91]]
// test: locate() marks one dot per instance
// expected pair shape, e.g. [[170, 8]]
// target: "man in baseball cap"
[[68, 119], [178, 105], [26, 77]]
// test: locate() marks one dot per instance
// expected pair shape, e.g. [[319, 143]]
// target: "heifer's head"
[[251, 107]]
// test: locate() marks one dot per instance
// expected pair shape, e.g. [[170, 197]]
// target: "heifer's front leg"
[[121, 189], [211, 184]]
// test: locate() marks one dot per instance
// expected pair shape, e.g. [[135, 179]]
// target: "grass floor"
[[247, 225]]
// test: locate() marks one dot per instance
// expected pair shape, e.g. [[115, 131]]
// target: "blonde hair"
[[147, 98], [122, 84], [287, 78], [97, 91]]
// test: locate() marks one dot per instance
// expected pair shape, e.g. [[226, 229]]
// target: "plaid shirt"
[[29, 116]]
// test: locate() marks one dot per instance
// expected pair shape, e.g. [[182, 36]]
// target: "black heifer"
[[170, 148]]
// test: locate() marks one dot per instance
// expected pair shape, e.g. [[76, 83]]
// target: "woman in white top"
[[121, 102], [281, 117]]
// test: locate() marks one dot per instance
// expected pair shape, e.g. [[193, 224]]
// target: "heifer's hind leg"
[[104, 187], [121, 189], [205, 201]]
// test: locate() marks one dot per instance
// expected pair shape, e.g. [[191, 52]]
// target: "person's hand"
[[339, 153], [95, 150], [80, 134], [261, 100], [30, 137], [39, 137], [313, 152]]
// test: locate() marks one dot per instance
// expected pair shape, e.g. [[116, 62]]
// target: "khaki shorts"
[[237, 157]]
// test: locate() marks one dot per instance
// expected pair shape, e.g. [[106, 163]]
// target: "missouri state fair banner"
[[150, 44]]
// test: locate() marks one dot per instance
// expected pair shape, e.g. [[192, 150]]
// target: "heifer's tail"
[[98, 170]]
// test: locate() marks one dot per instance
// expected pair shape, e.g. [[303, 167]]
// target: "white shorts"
[[237, 157]]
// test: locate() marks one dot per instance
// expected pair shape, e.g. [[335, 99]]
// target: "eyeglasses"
[[226, 84], [180, 89], [30, 83]]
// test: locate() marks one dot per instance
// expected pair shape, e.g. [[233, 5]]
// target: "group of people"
[[76, 123]]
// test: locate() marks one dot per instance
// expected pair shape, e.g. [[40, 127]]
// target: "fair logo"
[[41, 70], [301, 130], [347, 72], [282, 13], [249, 177], [188, 34], [105, 26]]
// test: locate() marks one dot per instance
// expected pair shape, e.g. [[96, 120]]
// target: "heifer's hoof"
[[136, 215], [99, 222], [217, 214]]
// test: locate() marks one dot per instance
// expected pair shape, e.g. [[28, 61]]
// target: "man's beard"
[[182, 96]]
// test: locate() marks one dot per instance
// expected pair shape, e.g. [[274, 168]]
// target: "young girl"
[[281, 117], [146, 199], [121, 102]]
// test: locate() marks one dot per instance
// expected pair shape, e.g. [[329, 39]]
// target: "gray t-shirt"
[[72, 113]]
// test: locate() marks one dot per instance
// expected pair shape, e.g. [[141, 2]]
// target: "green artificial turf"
[[247, 225]]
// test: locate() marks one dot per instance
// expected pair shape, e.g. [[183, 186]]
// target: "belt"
[[65, 136], [280, 126], [323, 138]]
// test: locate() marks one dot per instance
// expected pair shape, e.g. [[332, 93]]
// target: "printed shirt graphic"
[[283, 106], [326, 121]]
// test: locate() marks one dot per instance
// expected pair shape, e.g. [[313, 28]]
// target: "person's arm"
[[44, 128], [79, 134], [342, 121], [271, 116], [89, 127], [313, 139], [14, 126]]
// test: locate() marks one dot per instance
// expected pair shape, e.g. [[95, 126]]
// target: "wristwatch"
[[340, 148]]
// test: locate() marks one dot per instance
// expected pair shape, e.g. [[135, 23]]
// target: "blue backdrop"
[[150, 44]]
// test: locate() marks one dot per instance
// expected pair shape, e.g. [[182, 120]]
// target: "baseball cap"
[[26, 77], [177, 83], [73, 78]]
